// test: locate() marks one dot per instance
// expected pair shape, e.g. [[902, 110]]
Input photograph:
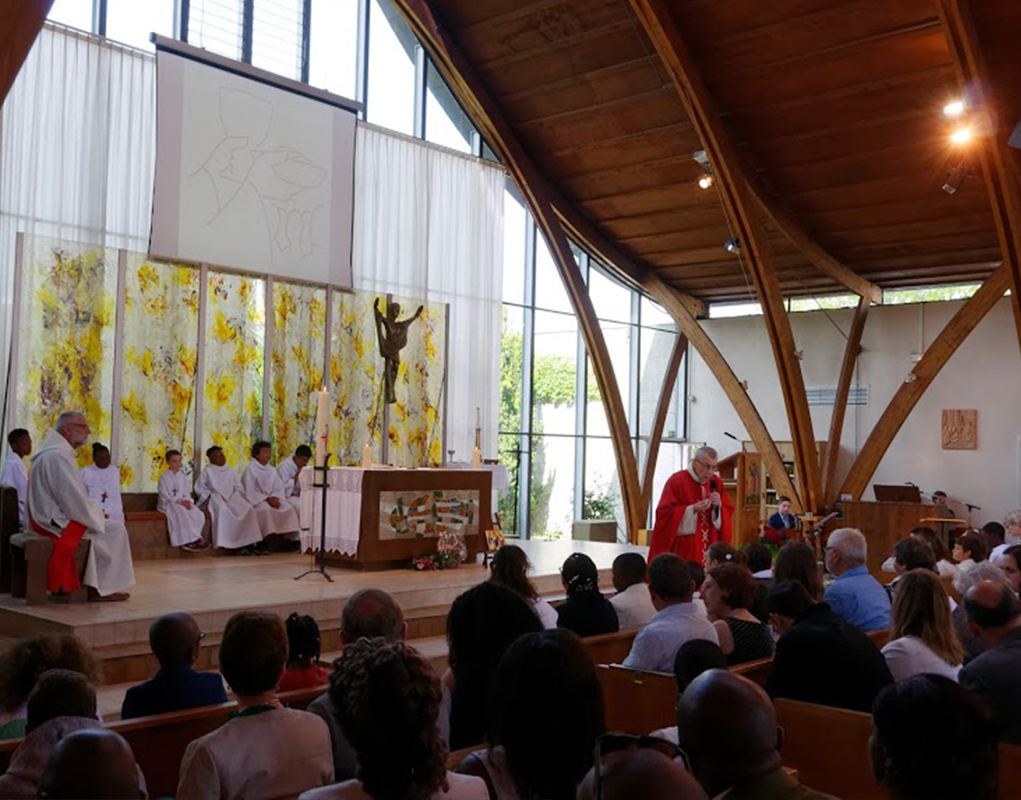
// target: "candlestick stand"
[[322, 475]]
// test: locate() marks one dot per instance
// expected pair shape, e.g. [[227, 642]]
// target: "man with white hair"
[[855, 595], [60, 508], [693, 511]]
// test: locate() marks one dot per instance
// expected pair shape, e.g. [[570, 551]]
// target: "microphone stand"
[[323, 475]]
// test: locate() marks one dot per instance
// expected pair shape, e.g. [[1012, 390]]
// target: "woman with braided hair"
[[586, 611], [386, 699]]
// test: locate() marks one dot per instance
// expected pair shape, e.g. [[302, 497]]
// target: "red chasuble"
[[682, 490]]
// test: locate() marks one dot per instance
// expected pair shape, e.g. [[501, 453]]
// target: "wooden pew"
[[610, 648], [635, 701], [755, 671], [880, 638]]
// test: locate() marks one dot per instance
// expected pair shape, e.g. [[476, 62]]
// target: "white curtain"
[[429, 224]]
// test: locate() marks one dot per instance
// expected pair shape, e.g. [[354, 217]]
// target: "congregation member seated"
[[367, 614], [820, 657], [266, 750], [933, 738], [969, 550], [855, 595], [796, 562], [304, 645], [235, 525], [759, 560], [694, 658], [265, 491], [175, 640], [944, 559], [963, 581], [482, 624], [61, 702], [185, 520], [632, 602], [697, 572], [642, 772], [289, 469], [922, 636], [1010, 562], [387, 701], [729, 592], [510, 567], [103, 482], [722, 553], [783, 519], [14, 473], [92, 763], [24, 661], [677, 619], [728, 729], [994, 537], [585, 611], [994, 616], [911, 553], [1012, 522], [546, 716]]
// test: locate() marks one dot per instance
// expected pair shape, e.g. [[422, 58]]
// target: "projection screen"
[[250, 175]]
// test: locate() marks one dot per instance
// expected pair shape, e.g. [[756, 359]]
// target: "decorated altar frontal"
[[379, 518]]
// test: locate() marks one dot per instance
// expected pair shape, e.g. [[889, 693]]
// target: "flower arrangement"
[[450, 553], [772, 538]]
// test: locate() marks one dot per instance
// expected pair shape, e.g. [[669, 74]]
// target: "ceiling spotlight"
[[733, 245], [955, 178], [702, 160], [954, 108], [961, 136], [705, 181]]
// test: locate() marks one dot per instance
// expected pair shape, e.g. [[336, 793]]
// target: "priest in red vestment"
[[693, 512]]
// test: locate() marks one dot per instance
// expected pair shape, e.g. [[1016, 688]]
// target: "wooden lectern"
[[742, 477], [884, 524]]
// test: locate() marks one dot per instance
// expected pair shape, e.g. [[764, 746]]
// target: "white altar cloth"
[[343, 510]]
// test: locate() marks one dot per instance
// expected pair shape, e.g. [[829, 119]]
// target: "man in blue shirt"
[[855, 595], [175, 640]]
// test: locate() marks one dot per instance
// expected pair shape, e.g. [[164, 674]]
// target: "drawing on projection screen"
[[251, 181]]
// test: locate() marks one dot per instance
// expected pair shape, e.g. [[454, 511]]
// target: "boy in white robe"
[[185, 520], [104, 483], [265, 491], [289, 469], [60, 507], [14, 473], [235, 524]]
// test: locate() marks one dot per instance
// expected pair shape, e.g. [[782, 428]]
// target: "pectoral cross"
[[103, 497]]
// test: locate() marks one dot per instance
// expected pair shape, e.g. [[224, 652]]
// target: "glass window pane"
[[656, 349], [276, 36], [602, 487], [552, 489], [673, 457], [549, 288], [653, 315], [610, 299], [510, 457], [333, 46], [131, 22], [510, 369], [553, 368], [391, 100], [933, 294], [515, 227], [216, 26], [719, 310], [445, 122], [76, 13], [618, 342]]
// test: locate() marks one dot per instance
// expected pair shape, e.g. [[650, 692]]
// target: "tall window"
[[392, 49], [333, 46], [276, 36]]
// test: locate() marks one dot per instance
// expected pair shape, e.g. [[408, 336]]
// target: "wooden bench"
[[9, 526], [147, 530], [30, 560], [610, 648]]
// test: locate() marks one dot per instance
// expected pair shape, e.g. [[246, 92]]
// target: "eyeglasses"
[[708, 467], [610, 743]]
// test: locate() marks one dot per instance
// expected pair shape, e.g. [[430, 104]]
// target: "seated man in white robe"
[[265, 491], [14, 474], [235, 524], [289, 469], [104, 483], [185, 520], [60, 508]]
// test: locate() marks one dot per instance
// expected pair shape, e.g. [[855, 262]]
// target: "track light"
[[705, 181], [702, 160], [733, 245], [961, 136], [954, 108], [955, 178]]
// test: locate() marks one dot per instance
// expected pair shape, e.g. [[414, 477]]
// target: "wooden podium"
[[742, 476], [883, 524]]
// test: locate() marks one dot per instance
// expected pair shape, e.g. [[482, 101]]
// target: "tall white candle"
[[322, 426]]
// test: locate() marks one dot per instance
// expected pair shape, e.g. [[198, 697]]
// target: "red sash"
[[61, 576]]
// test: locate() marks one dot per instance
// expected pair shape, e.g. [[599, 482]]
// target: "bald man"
[[94, 763], [728, 728], [994, 617], [640, 772], [175, 640]]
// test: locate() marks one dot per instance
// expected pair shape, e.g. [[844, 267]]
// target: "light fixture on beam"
[[706, 180], [733, 245], [955, 178], [954, 108], [961, 135]]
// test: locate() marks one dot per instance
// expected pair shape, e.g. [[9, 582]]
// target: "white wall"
[[984, 373]]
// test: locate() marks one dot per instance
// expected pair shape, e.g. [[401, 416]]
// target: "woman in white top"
[[104, 483], [510, 568], [386, 698], [944, 559], [922, 637]]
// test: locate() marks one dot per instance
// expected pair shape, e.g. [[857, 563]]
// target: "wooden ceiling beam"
[[666, 392], [581, 79], [22, 22], [736, 195], [593, 144], [993, 132], [549, 47], [522, 9], [920, 378], [594, 109]]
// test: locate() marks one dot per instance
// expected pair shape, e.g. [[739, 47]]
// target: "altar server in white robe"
[[185, 520], [235, 523], [59, 506], [265, 491], [289, 469], [104, 483], [14, 473]]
